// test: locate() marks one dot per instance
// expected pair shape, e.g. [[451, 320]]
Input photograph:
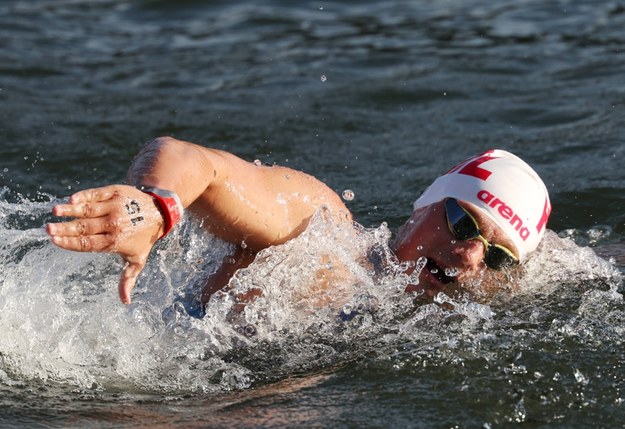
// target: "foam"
[[62, 322]]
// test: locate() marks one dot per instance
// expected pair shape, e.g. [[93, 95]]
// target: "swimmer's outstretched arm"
[[238, 201]]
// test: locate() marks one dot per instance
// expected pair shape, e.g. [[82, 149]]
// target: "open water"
[[376, 97]]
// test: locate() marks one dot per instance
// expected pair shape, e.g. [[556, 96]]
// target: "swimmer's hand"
[[114, 219]]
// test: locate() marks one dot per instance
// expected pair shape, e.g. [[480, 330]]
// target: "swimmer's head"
[[502, 186]]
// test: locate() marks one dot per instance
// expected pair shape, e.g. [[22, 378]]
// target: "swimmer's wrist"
[[169, 205]]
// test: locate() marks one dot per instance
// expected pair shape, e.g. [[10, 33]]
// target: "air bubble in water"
[[419, 247], [257, 162], [249, 330], [348, 195], [323, 78]]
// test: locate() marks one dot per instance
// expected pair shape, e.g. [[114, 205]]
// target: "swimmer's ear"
[[131, 271]]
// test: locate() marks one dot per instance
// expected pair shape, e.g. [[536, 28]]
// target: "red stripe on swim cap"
[[545, 216], [472, 166]]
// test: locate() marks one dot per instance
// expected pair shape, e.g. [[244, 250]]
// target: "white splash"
[[331, 290]]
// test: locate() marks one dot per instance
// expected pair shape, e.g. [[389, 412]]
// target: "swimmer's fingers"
[[103, 193], [83, 227], [129, 217], [131, 272], [94, 202], [91, 243], [83, 210]]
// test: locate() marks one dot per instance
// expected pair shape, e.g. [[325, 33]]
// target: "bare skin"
[[426, 234], [242, 202], [239, 202]]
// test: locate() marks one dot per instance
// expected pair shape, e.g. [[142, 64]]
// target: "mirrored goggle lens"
[[464, 227], [498, 257], [461, 224]]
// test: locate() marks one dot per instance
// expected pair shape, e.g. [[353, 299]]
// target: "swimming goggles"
[[463, 226]]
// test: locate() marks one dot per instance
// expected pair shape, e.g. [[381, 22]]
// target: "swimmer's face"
[[449, 260]]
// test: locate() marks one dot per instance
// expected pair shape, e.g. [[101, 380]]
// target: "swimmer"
[[488, 213]]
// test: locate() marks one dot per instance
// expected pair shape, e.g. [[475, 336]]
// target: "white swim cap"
[[505, 188]]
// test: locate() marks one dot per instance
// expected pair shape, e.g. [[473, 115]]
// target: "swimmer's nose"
[[470, 254]]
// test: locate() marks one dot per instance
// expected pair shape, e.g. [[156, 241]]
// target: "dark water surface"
[[374, 96]]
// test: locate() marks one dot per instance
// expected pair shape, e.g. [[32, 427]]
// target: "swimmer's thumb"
[[131, 271]]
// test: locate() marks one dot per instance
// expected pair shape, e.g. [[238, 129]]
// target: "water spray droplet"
[[323, 78], [257, 163], [452, 272], [420, 265], [419, 247], [348, 195], [519, 412], [579, 377]]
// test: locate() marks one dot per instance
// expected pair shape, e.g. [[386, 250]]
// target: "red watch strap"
[[169, 204]]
